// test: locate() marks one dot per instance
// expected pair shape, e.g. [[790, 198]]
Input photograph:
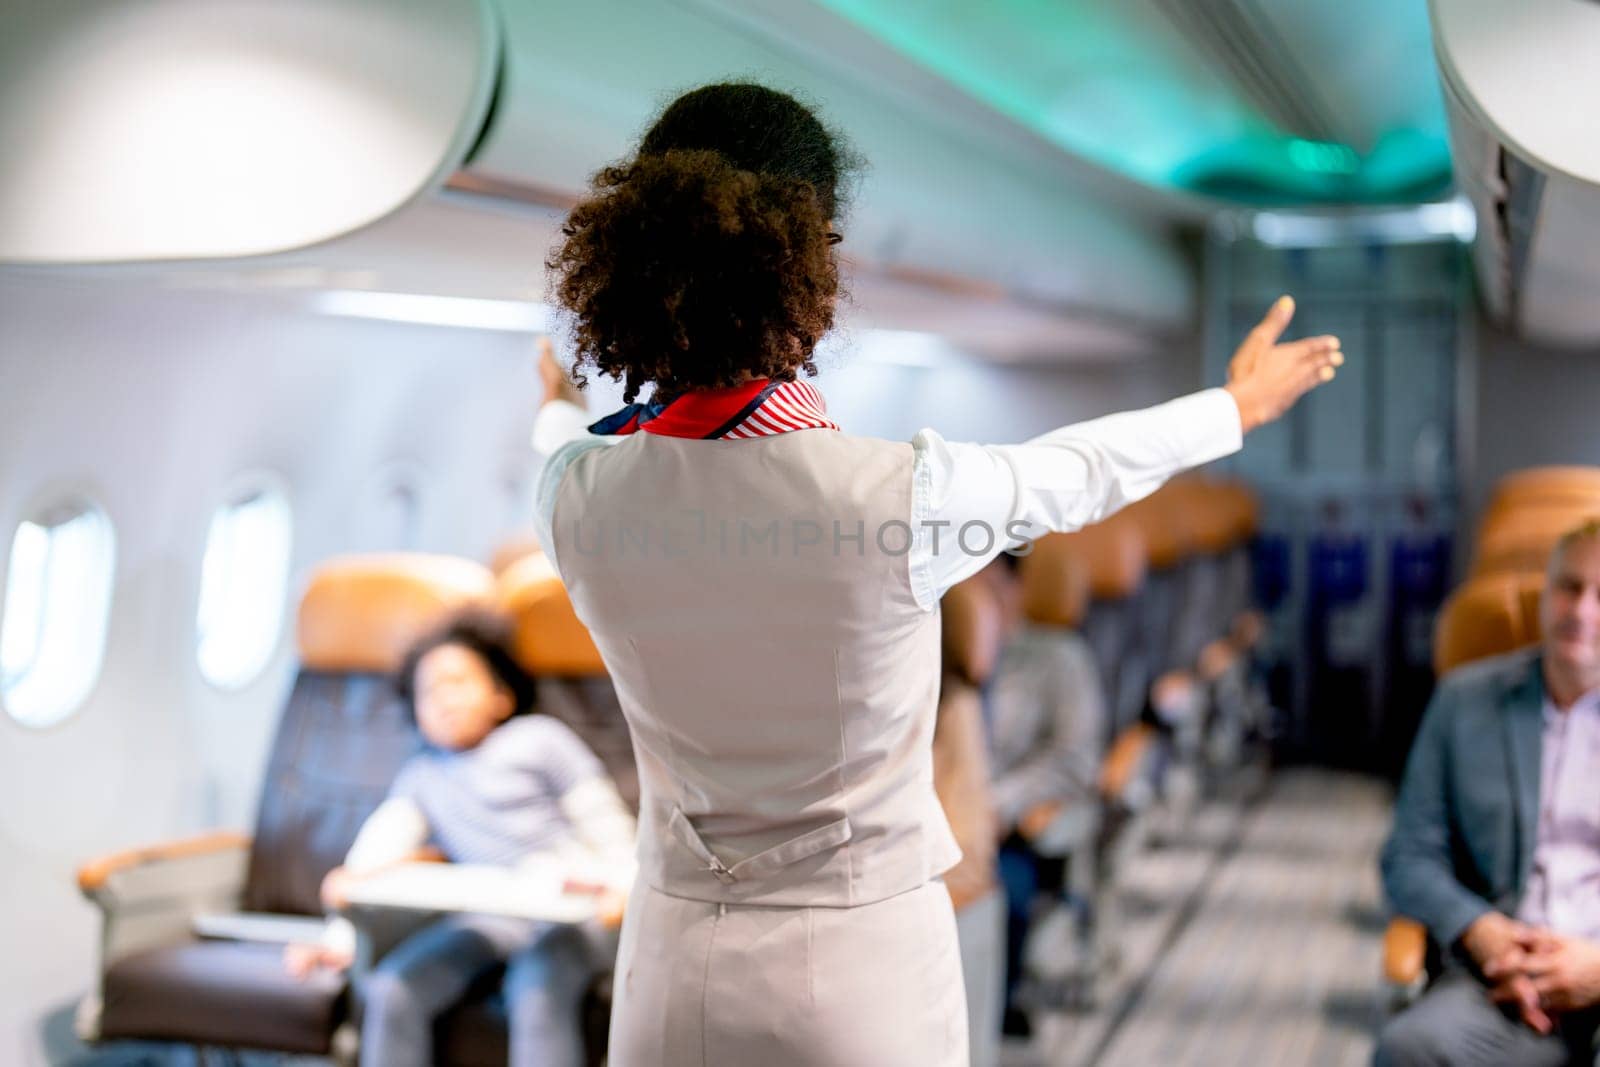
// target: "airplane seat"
[[1522, 540], [193, 932], [512, 552], [1486, 616], [1169, 540], [1575, 490], [1204, 608], [1089, 580], [1244, 512], [1176, 702], [1115, 556], [574, 686], [1236, 704], [1055, 602], [972, 631]]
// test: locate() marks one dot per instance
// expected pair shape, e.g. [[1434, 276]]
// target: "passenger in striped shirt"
[[495, 785]]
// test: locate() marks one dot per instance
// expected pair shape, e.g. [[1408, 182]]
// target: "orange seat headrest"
[[1113, 553], [1244, 509], [1055, 582], [547, 637], [1487, 616], [1167, 528], [361, 613], [514, 551], [1569, 487], [971, 625], [1524, 539], [1212, 512]]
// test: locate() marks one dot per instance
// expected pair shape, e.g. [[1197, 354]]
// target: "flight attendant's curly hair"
[[709, 254]]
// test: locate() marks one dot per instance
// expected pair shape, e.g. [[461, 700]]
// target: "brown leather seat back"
[[1165, 525], [555, 647], [1487, 616], [344, 733], [1055, 582], [1113, 554]]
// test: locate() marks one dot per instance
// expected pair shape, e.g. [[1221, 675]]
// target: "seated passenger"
[[1496, 843], [1047, 725], [1046, 711], [494, 785]]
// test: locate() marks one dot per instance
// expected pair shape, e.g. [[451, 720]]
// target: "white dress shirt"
[[1563, 891], [1059, 481]]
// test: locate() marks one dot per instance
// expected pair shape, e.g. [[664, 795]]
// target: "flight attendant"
[[764, 589]]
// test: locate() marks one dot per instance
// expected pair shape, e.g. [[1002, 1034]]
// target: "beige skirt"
[[739, 985]]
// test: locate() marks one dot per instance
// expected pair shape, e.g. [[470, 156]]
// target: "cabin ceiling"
[[1030, 161], [1252, 101]]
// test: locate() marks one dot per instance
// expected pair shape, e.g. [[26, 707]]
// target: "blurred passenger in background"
[[494, 785], [1048, 723], [1496, 843]]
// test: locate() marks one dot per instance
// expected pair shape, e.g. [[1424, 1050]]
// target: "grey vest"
[[753, 603]]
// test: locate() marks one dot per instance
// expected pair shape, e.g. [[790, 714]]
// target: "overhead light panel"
[[474, 313]]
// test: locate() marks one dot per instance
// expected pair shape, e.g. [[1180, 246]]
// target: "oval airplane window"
[[57, 606], [244, 580]]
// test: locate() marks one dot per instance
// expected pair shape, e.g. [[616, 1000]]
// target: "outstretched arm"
[[562, 416], [1082, 473]]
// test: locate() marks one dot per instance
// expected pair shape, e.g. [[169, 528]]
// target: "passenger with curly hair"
[[764, 590]]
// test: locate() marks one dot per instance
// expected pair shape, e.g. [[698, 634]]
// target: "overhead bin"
[[958, 205], [307, 140], [1520, 84], [208, 129]]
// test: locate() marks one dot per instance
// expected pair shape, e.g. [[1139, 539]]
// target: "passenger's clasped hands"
[[1266, 377], [1540, 973]]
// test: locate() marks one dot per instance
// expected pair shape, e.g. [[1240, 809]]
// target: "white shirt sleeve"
[[561, 434], [971, 502], [556, 423], [605, 828], [392, 832]]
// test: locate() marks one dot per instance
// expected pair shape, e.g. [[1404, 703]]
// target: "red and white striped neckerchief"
[[756, 409]]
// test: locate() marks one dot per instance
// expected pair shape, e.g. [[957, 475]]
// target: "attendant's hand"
[[557, 386], [1266, 377]]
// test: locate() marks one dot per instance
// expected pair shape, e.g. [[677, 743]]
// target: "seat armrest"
[[108, 873], [1405, 954], [149, 896]]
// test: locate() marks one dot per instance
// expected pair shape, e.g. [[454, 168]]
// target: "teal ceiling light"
[[1146, 88]]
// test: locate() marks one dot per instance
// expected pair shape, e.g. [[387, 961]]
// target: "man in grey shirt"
[[1496, 843]]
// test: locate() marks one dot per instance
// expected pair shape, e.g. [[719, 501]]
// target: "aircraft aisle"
[[1257, 940]]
